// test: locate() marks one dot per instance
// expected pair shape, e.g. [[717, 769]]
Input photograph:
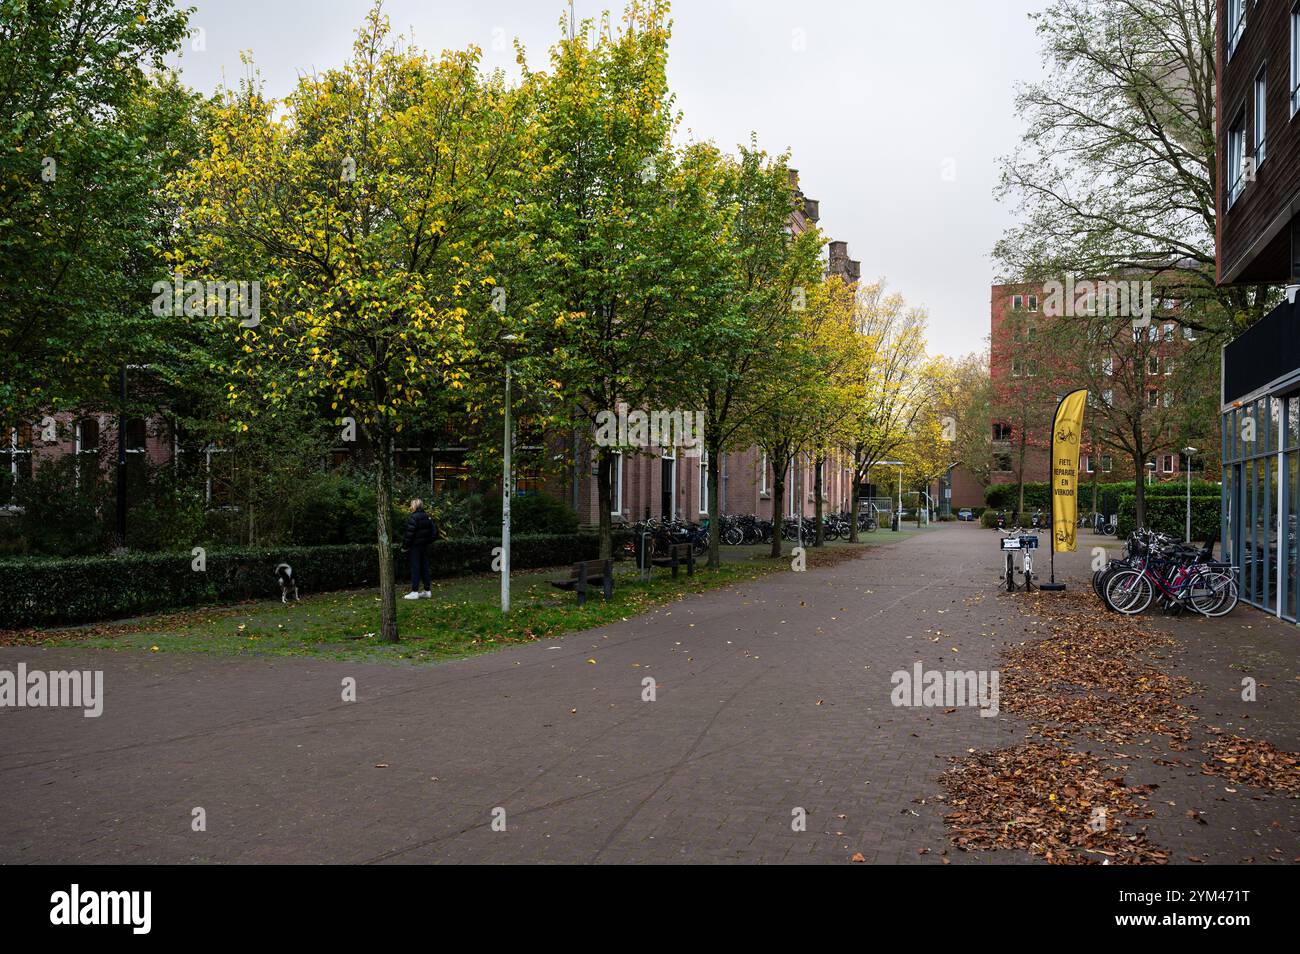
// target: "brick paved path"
[[771, 696]]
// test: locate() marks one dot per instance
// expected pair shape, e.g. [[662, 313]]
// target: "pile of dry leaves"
[[1253, 762], [1093, 673], [1045, 799]]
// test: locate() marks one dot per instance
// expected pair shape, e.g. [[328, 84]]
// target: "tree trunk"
[[1139, 490], [818, 465], [383, 523], [715, 530], [778, 496], [605, 493]]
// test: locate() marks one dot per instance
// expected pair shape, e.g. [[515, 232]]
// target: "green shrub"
[[1168, 514], [58, 516], [44, 590]]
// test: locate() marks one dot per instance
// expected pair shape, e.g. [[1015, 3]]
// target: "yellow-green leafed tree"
[[892, 375], [366, 204]]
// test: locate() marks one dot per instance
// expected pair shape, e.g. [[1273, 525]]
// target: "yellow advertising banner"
[[1067, 429]]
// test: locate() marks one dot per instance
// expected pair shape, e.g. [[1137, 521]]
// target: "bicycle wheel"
[[1129, 592], [1011, 574], [733, 536], [1213, 592]]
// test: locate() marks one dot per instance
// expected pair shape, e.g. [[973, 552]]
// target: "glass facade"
[[1261, 491]]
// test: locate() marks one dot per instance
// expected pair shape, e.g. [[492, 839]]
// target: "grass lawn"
[[462, 619]]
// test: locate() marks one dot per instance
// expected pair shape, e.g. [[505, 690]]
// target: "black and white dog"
[[284, 573]]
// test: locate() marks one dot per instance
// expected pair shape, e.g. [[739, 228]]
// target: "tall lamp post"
[[507, 483], [1188, 452]]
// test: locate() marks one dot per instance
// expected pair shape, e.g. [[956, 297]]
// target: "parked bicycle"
[[1163, 569]]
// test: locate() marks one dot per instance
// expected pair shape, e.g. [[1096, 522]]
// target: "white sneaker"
[[413, 595], [426, 594]]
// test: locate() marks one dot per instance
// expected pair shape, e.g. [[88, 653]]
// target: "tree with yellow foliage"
[[365, 204]]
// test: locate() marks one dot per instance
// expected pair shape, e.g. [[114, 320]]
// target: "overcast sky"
[[895, 113]]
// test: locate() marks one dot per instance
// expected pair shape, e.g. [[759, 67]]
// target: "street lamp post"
[[507, 488], [1188, 452]]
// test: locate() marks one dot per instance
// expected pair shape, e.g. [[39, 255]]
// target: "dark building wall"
[[1257, 229]]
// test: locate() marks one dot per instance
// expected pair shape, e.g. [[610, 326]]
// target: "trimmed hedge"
[[40, 591], [1109, 495], [1168, 514]]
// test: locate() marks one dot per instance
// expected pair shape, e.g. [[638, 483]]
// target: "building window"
[[1153, 364], [1001, 431], [617, 509], [219, 477], [1169, 366], [762, 478], [1189, 333], [447, 472], [1106, 463], [1033, 302], [704, 483], [1108, 366], [1153, 398], [1017, 302], [1087, 463], [1169, 330], [1295, 58], [1169, 463], [1236, 157], [1236, 23], [1107, 396], [1261, 125], [15, 461], [1002, 462], [87, 438]]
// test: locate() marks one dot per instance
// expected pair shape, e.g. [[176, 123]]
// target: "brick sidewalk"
[[771, 696]]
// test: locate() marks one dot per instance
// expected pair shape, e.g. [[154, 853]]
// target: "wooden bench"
[[678, 553], [588, 573]]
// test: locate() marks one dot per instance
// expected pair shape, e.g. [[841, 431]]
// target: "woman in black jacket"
[[420, 532]]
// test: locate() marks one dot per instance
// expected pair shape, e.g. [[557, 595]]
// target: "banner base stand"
[[1051, 587]]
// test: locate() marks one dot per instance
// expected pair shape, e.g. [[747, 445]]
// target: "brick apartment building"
[[1021, 367]]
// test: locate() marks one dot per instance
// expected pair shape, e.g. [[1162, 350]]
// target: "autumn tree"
[[734, 365], [894, 334], [1115, 172], [365, 205], [90, 127], [623, 252]]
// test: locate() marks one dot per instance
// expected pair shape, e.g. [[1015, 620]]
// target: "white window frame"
[[704, 483], [1236, 159], [1033, 302], [1236, 24], [1107, 463], [1260, 111], [79, 448], [1017, 302], [1087, 463], [1168, 463], [1108, 366], [617, 510], [15, 449], [1295, 58], [763, 489]]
